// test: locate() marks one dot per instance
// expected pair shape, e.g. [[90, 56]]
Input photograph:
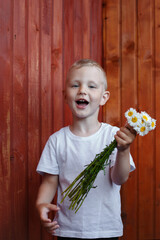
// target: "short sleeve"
[[48, 160]]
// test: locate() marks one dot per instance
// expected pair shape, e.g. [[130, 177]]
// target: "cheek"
[[69, 95], [96, 97], [70, 98]]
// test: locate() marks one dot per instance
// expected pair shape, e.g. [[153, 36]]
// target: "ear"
[[104, 98]]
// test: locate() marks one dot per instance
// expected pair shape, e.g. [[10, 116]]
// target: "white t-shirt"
[[66, 155]]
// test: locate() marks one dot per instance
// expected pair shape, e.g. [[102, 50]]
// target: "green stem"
[[85, 180]]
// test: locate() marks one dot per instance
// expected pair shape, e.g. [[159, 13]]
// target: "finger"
[[51, 227], [54, 227], [53, 207], [125, 130], [120, 140], [51, 231], [123, 133], [123, 139], [46, 210], [44, 217], [126, 134], [121, 144], [130, 129]]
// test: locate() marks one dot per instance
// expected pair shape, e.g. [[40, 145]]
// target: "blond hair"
[[88, 63]]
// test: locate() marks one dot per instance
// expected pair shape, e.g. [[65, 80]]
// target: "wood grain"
[[86, 11], [129, 99], [45, 79], [5, 118], [138, 87], [19, 122], [146, 102], [157, 116], [112, 60], [68, 57], [34, 131], [57, 66], [39, 41]]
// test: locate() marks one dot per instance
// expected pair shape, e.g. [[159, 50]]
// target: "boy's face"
[[85, 91]]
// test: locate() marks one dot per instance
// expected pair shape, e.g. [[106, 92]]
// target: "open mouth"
[[82, 102]]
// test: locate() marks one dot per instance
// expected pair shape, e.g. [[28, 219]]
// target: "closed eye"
[[91, 86]]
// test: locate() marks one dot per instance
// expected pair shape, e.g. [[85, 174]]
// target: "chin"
[[79, 116]]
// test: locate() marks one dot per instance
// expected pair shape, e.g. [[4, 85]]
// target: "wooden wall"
[[39, 40], [131, 34]]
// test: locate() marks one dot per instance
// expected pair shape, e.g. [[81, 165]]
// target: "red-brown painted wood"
[[45, 78], [34, 123], [146, 156], [78, 30], [139, 87], [5, 118], [129, 99], [57, 66], [157, 116], [39, 41], [68, 45], [112, 60], [86, 11], [19, 110]]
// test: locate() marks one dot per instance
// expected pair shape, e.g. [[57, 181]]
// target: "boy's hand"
[[124, 137], [43, 210]]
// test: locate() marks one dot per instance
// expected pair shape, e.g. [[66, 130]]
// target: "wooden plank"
[[57, 65], [46, 83], [96, 30], [111, 23], [146, 102], [45, 78], [86, 6], [129, 99], [5, 118], [68, 27], [19, 123], [78, 30], [34, 230], [157, 116]]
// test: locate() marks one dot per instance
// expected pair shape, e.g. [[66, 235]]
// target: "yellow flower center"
[[152, 124], [134, 119], [145, 117], [130, 114], [142, 129]]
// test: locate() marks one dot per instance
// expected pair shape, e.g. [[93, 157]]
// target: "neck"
[[85, 127]]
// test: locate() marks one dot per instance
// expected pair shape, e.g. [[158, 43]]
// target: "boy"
[[71, 148]]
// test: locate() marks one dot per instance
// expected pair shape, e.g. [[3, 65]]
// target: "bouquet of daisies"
[[142, 123], [78, 190]]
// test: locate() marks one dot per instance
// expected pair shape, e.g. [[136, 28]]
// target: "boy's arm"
[[45, 196], [120, 171]]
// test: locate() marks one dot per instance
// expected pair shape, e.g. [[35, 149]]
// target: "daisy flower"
[[152, 124], [129, 114], [134, 120], [142, 129], [145, 117]]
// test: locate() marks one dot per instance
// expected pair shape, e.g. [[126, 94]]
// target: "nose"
[[82, 89]]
